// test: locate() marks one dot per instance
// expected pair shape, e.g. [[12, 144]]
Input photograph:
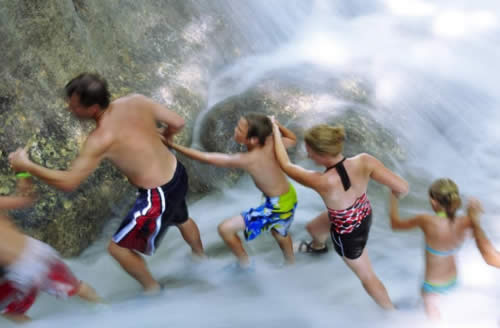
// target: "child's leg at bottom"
[[286, 245], [431, 305], [319, 229], [19, 318], [228, 230], [87, 293], [363, 269]]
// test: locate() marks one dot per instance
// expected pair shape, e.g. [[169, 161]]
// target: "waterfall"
[[431, 67]]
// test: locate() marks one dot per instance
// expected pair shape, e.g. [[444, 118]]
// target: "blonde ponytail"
[[445, 192], [326, 139]]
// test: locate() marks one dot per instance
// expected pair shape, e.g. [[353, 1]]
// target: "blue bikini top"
[[440, 253]]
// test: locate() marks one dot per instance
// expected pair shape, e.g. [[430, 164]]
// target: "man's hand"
[[161, 132], [19, 160]]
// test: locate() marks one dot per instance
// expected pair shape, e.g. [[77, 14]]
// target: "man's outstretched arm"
[[86, 163]]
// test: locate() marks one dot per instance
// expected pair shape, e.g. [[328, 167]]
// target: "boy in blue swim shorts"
[[276, 212]]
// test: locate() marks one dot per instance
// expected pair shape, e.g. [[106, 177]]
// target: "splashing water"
[[432, 66]]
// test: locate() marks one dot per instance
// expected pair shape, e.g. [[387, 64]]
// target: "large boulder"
[[166, 49], [298, 106]]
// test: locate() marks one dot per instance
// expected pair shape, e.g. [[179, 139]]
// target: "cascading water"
[[432, 68]]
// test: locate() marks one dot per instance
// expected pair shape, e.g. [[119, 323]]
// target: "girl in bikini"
[[343, 189], [444, 232]]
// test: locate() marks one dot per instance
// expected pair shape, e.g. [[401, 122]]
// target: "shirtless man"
[[127, 135]]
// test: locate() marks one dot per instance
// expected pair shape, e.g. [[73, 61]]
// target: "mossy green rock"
[[163, 49], [166, 49]]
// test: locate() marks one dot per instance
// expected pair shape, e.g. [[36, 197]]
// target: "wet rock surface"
[[298, 106], [168, 50], [163, 49]]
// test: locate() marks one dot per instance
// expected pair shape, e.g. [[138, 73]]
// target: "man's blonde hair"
[[326, 139]]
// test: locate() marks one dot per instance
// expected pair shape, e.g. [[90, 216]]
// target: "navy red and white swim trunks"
[[154, 211]]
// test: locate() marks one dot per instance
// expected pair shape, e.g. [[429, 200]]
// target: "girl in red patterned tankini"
[[343, 189]]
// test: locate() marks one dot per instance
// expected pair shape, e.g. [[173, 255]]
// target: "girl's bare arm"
[[396, 222], [486, 248], [383, 175]]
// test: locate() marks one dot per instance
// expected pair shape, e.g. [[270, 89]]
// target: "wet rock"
[[166, 49], [298, 106], [163, 49]]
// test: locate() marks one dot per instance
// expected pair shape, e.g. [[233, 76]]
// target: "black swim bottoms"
[[154, 211], [351, 245]]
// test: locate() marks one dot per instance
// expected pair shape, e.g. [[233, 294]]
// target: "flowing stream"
[[432, 67]]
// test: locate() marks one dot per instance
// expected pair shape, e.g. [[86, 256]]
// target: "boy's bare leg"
[[319, 229], [19, 318], [286, 246], [373, 286], [86, 292], [228, 230], [134, 265], [191, 234]]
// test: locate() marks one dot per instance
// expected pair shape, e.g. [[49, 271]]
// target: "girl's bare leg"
[[319, 229], [362, 267], [431, 306]]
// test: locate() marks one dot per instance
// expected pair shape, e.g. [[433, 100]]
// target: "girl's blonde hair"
[[326, 139], [445, 192]]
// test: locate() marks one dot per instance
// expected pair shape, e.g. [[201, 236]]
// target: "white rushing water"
[[433, 66]]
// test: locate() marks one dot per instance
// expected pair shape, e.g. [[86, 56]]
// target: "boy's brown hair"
[[259, 126]]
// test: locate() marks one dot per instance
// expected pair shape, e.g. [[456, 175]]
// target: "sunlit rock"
[[298, 107], [163, 49]]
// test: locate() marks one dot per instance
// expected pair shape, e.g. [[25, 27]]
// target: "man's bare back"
[[128, 126], [127, 135]]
